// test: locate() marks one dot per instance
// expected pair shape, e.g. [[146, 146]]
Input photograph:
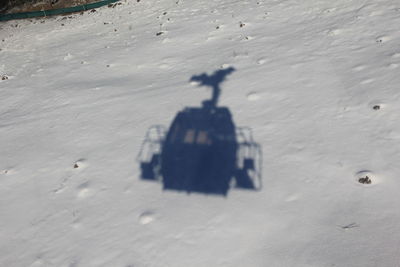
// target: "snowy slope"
[[85, 89]]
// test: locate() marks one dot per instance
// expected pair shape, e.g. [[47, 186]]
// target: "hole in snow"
[[83, 190], [366, 178], [376, 107], [79, 163]]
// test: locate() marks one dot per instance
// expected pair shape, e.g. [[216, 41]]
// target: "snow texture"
[[317, 81]]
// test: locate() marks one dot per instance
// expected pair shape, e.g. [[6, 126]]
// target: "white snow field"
[[84, 89]]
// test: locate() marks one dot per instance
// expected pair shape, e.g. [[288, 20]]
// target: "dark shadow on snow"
[[202, 151], [214, 81]]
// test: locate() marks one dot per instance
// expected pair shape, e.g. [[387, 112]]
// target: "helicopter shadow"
[[202, 151]]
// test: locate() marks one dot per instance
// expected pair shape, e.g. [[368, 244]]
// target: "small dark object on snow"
[[241, 25], [76, 166], [159, 33], [365, 180], [4, 77], [377, 107]]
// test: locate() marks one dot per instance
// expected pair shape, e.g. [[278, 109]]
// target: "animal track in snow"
[[63, 184]]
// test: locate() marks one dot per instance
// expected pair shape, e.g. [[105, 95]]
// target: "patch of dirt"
[[365, 180], [17, 6]]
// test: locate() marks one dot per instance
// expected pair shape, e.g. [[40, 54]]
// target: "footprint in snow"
[[146, 217], [166, 40], [359, 68], [7, 171], [292, 198], [84, 191], [261, 61], [335, 32], [396, 55], [68, 57], [367, 81], [253, 96], [164, 66], [376, 13], [225, 66], [329, 10]]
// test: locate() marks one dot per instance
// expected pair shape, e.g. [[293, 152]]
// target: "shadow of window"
[[202, 151]]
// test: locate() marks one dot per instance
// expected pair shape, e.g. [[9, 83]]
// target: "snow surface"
[[84, 90]]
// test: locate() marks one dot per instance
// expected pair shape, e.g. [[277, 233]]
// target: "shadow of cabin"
[[203, 151]]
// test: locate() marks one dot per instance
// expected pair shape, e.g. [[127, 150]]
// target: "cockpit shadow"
[[202, 151]]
